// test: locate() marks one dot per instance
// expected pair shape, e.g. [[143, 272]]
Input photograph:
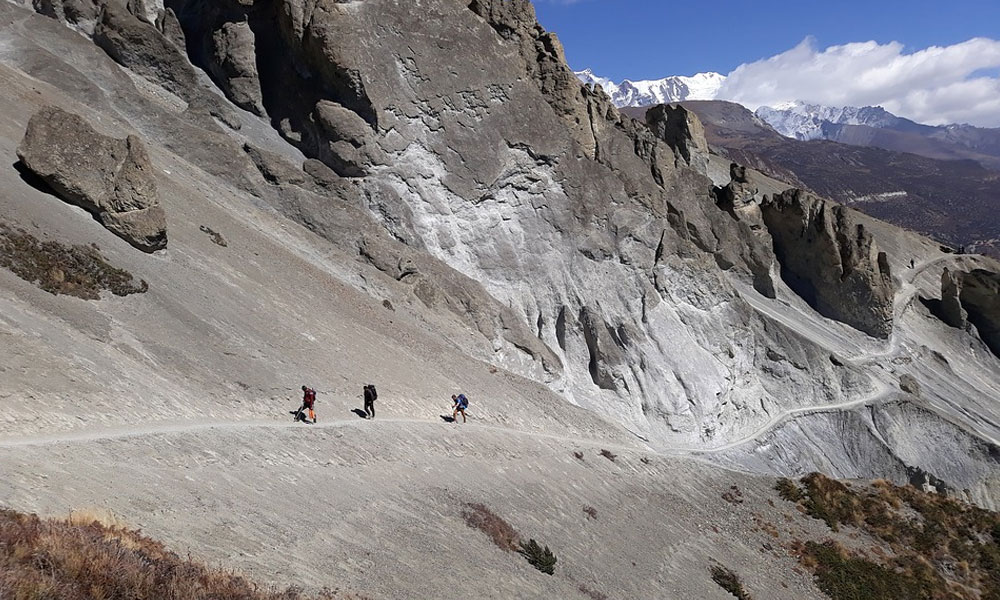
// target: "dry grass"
[[500, 532], [92, 556], [938, 547], [79, 271]]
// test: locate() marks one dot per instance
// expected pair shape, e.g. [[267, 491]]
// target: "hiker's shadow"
[[447, 418], [360, 413]]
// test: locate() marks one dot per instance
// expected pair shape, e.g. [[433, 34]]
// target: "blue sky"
[[649, 39]]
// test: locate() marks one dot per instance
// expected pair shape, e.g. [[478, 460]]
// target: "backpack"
[[463, 402], [374, 393]]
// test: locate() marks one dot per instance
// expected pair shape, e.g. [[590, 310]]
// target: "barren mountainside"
[[208, 204]]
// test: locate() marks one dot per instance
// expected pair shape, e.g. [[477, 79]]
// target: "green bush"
[[539, 557], [788, 490], [730, 582]]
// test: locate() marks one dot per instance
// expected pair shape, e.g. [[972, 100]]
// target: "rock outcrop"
[[830, 261], [973, 297], [111, 178], [682, 131], [740, 196], [951, 311]]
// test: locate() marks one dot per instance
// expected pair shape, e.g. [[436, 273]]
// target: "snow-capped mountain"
[[702, 86], [804, 121]]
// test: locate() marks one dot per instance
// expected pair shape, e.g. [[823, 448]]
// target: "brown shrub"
[[86, 559], [478, 516]]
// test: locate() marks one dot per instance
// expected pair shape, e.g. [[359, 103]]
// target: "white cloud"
[[937, 85]]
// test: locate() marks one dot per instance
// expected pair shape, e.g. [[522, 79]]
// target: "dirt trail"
[[118, 433]]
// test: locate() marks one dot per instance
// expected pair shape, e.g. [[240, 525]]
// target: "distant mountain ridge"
[[805, 121], [868, 126], [677, 88]]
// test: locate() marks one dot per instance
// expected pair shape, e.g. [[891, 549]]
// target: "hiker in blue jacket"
[[461, 403]]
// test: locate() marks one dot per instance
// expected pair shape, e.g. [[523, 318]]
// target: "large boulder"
[[830, 261], [112, 178]]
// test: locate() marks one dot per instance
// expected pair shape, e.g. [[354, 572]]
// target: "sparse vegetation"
[[79, 271], [578, 455], [608, 454], [505, 537], [92, 557], [788, 490], [927, 545], [733, 495], [539, 556], [729, 581], [845, 577], [591, 512], [478, 516]]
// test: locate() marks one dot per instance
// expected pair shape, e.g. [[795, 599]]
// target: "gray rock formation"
[[973, 297], [952, 311], [111, 178], [682, 131], [831, 261], [740, 196], [234, 65]]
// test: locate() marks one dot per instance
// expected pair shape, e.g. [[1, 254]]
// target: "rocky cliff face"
[[111, 178], [973, 298], [831, 261], [503, 166]]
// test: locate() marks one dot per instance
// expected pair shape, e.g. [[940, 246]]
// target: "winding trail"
[[884, 391], [180, 427]]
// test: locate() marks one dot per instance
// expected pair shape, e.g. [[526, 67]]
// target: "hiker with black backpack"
[[461, 403], [370, 396]]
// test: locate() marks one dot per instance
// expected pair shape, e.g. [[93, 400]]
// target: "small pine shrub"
[[729, 581], [539, 556]]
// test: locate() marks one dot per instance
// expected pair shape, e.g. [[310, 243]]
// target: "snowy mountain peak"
[[701, 86], [804, 121]]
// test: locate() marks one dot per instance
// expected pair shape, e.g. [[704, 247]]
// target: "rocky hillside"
[[923, 194], [424, 197]]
